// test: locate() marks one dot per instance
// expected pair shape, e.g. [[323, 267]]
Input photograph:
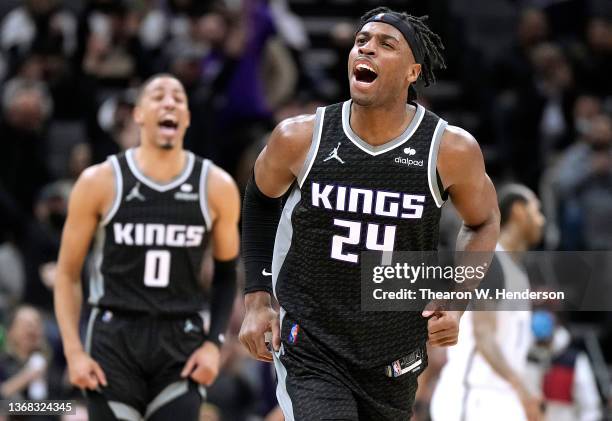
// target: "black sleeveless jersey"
[[149, 247], [352, 197]]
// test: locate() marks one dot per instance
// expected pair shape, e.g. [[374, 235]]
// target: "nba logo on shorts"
[[293, 334], [397, 368]]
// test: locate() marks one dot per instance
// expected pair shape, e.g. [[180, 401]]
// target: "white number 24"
[[354, 238]]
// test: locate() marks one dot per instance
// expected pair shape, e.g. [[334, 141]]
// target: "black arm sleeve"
[[223, 291], [260, 216]]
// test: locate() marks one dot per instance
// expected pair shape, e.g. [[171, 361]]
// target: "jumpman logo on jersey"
[[135, 194], [334, 154], [190, 327]]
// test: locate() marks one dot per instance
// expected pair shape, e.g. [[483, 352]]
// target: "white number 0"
[[354, 237], [157, 268]]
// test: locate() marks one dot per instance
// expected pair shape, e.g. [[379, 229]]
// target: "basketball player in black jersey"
[[153, 209], [368, 174]]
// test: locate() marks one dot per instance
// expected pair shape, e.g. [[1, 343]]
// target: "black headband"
[[395, 20]]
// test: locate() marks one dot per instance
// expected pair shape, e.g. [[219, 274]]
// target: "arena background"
[[530, 79]]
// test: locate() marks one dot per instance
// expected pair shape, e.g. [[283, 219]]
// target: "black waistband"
[[120, 312]]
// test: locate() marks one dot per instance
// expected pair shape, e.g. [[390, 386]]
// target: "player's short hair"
[[507, 196], [429, 44], [150, 79]]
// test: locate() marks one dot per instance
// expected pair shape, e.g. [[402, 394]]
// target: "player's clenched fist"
[[443, 327], [260, 318], [84, 372]]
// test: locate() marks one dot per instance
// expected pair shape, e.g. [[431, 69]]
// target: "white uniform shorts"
[[475, 404]]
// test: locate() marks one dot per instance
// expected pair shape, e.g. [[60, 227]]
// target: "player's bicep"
[[475, 201], [461, 166], [280, 162], [225, 239], [81, 222], [272, 174], [225, 201]]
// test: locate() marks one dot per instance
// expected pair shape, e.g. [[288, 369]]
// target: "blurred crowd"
[[531, 79]]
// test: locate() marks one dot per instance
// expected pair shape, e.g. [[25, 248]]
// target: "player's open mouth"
[[168, 126], [365, 73]]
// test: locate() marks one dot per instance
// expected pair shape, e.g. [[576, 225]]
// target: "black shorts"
[[142, 357], [314, 385]]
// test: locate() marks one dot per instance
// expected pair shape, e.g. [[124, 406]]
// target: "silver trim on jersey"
[[392, 144], [204, 193], [129, 155], [118, 190], [432, 162], [284, 400], [96, 280], [124, 412], [284, 235], [314, 146], [168, 394], [89, 333]]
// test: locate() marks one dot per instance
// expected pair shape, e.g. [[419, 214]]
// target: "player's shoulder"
[[222, 191], [458, 156], [97, 175], [458, 140], [219, 179], [95, 187], [293, 134], [297, 126], [458, 148]]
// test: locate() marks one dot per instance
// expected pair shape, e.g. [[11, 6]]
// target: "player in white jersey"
[[483, 378]]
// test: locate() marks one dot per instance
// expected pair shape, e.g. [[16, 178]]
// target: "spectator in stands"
[[594, 59], [114, 54], [238, 103], [109, 126], [23, 368], [513, 67], [583, 184], [561, 372], [342, 39], [12, 277], [586, 108], [540, 121], [41, 244], [26, 107], [37, 25], [80, 159], [553, 97]]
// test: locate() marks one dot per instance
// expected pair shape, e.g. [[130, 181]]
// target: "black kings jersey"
[[149, 247], [352, 197]]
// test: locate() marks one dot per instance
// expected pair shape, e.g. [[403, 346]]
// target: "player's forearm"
[[260, 216], [222, 298], [490, 351], [480, 238], [68, 299]]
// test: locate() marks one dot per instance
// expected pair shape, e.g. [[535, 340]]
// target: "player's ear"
[[414, 70], [518, 212], [137, 114]]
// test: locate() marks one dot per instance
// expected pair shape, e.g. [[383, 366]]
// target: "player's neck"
[[160, 165], [379, 125], [512, 241]]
